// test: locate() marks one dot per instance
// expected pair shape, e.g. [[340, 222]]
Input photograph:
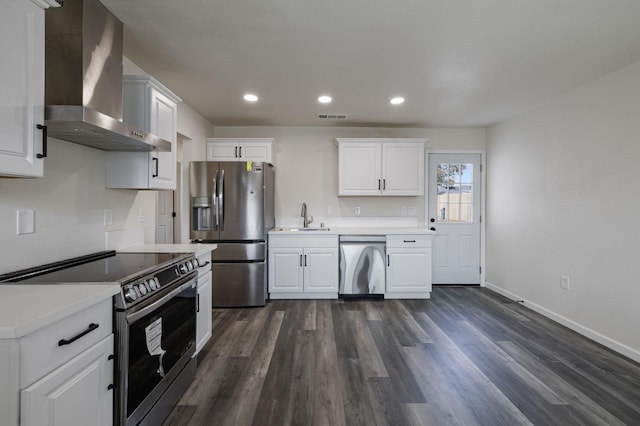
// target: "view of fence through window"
[[455, 193]]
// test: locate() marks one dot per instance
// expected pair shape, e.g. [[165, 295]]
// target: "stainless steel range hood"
[[83, 80]]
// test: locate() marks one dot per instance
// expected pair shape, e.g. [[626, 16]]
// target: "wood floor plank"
[[246, 340], [309, 307], [367, 350]]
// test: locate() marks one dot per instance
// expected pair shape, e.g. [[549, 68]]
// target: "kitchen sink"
[[303, 229]]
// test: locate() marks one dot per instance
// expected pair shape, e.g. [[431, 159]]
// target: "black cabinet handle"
[[110, 357], [409, 241], [379, 185], [305, 260], [92, 327], [235, 152], [44, 141], [111, 386], [388, 261], [198, 303], [200, 265], [240, 151], [156, 160], [384, 184], [300, 260]]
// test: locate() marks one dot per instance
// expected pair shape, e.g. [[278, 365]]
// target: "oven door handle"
[[158, 303]]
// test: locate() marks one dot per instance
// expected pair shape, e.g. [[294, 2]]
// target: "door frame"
[[483, 198]]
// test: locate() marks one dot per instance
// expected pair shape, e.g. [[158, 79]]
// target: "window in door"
[[454, 192]]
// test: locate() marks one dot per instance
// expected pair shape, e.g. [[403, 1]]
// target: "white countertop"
[[25, 308], [198, 249], [383, 230]]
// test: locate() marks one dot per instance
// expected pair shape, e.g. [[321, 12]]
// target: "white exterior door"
[[454, 211]]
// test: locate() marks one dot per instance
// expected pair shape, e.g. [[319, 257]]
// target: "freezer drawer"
[[240, 252], [239, 284]]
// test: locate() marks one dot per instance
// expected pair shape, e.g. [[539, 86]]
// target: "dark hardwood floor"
[[466, 357]]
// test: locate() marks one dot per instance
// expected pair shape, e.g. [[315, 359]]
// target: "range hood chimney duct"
[[83, 80]]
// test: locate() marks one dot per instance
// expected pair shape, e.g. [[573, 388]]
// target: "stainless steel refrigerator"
[[232, 205]]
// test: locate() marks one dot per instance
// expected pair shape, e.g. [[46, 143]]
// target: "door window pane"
[[455, 192]]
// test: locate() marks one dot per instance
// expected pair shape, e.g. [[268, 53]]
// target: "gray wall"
[[563, 200]]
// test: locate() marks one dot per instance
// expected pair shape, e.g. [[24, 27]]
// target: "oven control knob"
[[190, 265], [153, 283], [130, 294], [157, 281], [183, 268], [143, 289]]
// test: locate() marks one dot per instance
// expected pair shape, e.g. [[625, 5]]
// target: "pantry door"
[[454, 212]]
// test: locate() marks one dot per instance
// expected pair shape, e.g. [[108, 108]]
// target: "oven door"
[[157, 341]]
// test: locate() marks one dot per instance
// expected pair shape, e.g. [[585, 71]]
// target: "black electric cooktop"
[[111, 267]]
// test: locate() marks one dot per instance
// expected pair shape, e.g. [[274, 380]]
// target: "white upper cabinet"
[[381, 167], [153, 108], [239, 149], [22, 140]]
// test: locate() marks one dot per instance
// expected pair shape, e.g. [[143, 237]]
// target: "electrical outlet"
[[403, 211], [564, 282], [357, 210], [108, 217]]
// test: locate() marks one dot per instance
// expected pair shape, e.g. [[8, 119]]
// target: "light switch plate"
[[25, 222]]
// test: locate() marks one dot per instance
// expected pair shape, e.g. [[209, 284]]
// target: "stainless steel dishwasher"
[[362, 265]]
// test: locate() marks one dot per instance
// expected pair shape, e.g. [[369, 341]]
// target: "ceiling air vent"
[[332, 116]]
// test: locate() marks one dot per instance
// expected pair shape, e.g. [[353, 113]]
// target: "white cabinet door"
[[203, 319], [409, 270], [22, 88], [163, 122], [152, 107], [359, 167], [222, 151], [77, 393], [239, 149], [402, 169], [320, 269], [285, 270]]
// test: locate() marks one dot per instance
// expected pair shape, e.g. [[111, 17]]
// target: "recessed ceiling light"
[[324, 99], [397, 101], [250, 97]]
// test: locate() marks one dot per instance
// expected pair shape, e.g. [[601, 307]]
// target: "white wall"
[[306, 160], [69, 203], [563, 200]]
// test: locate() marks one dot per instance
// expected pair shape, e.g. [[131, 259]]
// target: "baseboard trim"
[[578, 328]]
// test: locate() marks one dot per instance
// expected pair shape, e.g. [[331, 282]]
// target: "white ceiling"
[[457, 62]]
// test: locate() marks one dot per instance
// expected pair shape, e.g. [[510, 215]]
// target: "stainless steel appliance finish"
[[154, 324], [232, 205], [362, 265], [83, 80]]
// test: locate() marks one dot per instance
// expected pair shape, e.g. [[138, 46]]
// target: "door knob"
[[432, 220], [432, 229]]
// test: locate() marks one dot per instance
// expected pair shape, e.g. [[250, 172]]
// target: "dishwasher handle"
[[363, 239]]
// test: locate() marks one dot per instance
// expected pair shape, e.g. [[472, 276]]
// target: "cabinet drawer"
[[40, 352], [407, 241], [302, 241]]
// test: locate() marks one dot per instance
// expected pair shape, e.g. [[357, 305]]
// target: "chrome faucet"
[[303, 213]]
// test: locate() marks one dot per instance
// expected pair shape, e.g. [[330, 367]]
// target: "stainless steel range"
[[154, 324]]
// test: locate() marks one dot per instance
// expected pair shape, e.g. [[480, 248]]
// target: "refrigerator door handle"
[[221, 197], [215, 200]]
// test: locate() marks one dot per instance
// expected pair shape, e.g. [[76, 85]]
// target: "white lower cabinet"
[[408, 266], [78, 393], [203, 316], [303, 267]]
